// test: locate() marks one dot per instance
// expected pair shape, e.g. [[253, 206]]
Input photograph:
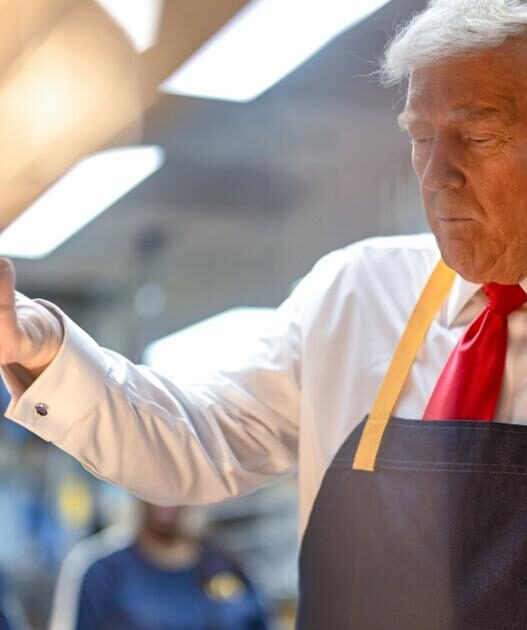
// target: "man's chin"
[[481, 271], [462, 259]]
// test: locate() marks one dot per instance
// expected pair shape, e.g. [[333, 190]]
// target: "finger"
[[7, 284], [9, 334], [8, 318]]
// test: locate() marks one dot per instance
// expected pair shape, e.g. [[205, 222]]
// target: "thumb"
[[8, 318], [7, 286], [9, 333]]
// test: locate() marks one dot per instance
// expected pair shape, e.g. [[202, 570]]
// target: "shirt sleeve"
[[168, 442], [95, 597]]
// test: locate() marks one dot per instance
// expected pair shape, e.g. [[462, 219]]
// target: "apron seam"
[[439, 462], [473, 469], [431, 425], [394, 463]]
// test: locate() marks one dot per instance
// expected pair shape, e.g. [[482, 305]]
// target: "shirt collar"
[[462, 291]]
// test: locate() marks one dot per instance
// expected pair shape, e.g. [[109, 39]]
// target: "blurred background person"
[[159, 577], [12, 616]]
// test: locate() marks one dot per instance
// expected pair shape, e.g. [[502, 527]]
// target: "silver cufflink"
[[41, 409]]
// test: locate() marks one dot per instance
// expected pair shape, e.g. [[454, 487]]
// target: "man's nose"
[[441, 170]]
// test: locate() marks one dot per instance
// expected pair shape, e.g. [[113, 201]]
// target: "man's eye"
[[482, 141]]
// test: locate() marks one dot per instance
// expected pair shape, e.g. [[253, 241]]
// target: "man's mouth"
[[453, 218]]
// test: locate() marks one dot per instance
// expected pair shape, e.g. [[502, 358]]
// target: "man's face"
[[467, 119], [161, 521]]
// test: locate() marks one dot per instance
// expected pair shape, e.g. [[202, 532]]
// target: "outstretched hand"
[[30, 335]]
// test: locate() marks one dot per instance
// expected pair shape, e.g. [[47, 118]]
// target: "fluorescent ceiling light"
[[194, 352], [139, 19], [263, 43], [81, 195]]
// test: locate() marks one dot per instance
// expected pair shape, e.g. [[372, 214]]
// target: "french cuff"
[[66, 391]]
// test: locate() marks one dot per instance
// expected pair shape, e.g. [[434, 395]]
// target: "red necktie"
[[469, 385]]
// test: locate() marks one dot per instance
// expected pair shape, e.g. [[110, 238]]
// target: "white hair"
[[448, 28]]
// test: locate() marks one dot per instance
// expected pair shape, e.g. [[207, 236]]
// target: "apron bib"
[[419, 525]]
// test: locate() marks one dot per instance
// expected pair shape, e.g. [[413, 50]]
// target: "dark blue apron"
[[431, 536]]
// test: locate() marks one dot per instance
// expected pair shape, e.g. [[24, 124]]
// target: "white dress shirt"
[[305, 383]]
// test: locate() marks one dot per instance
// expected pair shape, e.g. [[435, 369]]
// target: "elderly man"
[[406, 524]]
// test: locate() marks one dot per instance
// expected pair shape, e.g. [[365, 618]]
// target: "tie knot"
[[504, 298]]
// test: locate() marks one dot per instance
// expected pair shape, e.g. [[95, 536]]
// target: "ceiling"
[[249, 197]]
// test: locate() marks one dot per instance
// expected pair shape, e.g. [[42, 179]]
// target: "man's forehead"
[[474, 87], [451, 93]]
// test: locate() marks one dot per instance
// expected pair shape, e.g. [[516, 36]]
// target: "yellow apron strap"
[[432, 297]]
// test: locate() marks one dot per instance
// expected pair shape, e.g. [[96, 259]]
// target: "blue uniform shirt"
[[124, 590], [4, 624]]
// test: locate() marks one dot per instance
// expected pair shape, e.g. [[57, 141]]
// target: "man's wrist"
[[49, 329], [17, 378], [43, 360], [35, 372], [46, 328]]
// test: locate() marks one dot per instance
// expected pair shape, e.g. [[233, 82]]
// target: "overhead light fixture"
[[69, 86], [263, 43], [139, 19], [80, 196], [194, 352]]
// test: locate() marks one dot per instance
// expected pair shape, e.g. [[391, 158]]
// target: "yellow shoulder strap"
[[432, 297]]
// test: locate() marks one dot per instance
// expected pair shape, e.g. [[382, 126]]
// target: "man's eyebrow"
[[406, 118], [469, 113], [483, 113]]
